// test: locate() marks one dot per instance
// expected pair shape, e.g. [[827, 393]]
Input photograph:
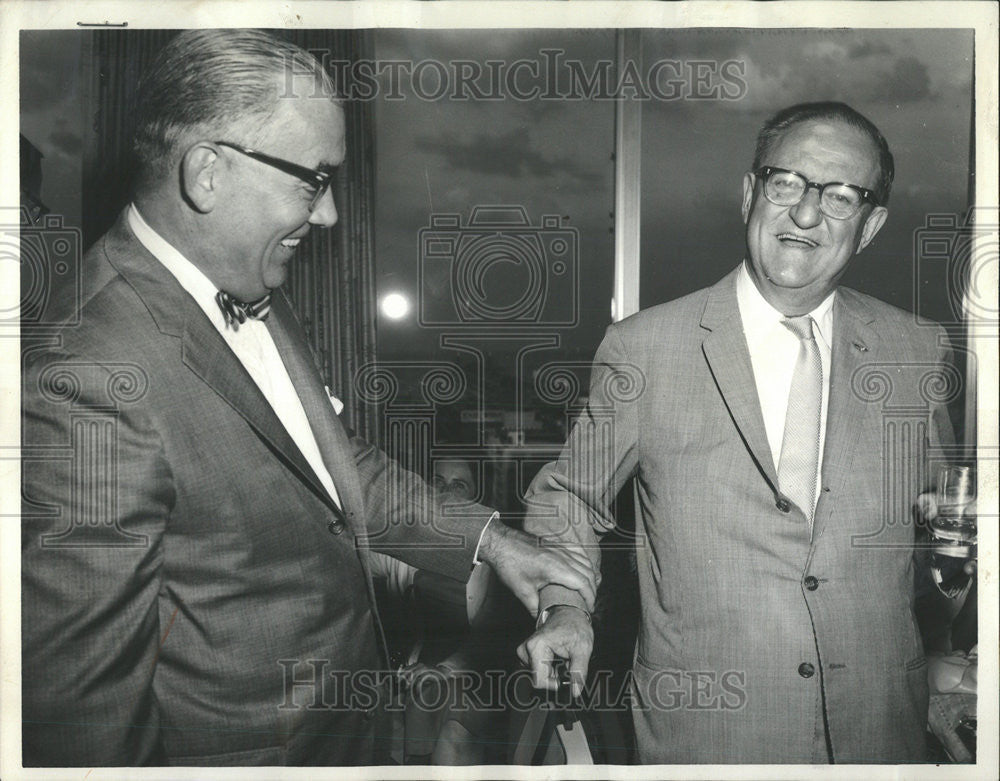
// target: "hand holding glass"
[[954, 527]]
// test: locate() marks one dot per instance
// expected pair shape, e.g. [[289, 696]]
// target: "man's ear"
[[872, 226], [200, 177], [748, 183]]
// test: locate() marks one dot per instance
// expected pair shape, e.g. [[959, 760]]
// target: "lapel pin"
[[861, 347]]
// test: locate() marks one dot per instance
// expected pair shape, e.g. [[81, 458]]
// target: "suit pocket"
[[641, 660], [660, 688], [915, 663]]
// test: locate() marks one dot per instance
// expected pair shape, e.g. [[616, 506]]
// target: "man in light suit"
[[774, 528], [197, 524]]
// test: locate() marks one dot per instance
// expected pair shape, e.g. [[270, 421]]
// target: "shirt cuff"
[[543, 616], [553, 594], [475, 557]]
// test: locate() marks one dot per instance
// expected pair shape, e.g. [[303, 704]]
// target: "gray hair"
[[784, 120], [205, 82]]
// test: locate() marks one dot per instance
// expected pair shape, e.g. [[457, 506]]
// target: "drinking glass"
[[954, 527]]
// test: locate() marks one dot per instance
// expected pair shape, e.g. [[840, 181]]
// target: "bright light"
[[395, 306]]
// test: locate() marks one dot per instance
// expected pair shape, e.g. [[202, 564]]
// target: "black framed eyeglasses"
[[320, 180], [838, 200]]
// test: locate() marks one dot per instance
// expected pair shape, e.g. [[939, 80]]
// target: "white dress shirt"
[[773, 352], [251, 343]]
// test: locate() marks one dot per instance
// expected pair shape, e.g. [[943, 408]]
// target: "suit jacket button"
[[335, 527], [783, 504], [811, 583], [806, 670]]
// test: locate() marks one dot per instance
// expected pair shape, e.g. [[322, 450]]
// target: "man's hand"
[[927, 507], [526, 566], [566, 633], [927, 510]]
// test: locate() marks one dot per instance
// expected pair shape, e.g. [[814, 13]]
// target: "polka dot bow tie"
[[237, 312]]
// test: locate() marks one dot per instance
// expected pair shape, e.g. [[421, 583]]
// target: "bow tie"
[[237, 312]]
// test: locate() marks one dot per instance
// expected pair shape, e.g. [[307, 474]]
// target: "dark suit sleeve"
[[95, 499], [569, 498], [403, 521]]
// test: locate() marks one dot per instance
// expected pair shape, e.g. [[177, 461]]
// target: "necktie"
[[800, 442], [237, 312]]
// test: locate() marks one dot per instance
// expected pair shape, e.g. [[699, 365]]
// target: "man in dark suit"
[[196, 583], [774, 488]]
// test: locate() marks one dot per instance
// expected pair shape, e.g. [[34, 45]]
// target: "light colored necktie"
[[800, 442]]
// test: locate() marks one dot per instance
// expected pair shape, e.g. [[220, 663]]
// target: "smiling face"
[[263, 213], [796, 253]]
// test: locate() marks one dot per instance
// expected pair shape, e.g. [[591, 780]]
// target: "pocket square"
[[338, 405]]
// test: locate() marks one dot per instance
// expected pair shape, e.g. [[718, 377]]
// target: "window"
[[494, 248]]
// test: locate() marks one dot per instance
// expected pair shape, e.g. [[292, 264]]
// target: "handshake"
[[526, 567], [564, 631]]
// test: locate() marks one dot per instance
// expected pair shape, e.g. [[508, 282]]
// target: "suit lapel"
[[212, 360], [326, 426], [203, 350], [855, 343], [725, 349], [331, 439]]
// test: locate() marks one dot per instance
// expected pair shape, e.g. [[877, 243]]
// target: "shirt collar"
[[759, 317], [190, 277]]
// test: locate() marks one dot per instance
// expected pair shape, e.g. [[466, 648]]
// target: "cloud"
[[830, 73], [66, 142], [49, 62], [868, 48], [508, 154], [41, 89], [910, 80], [782, 67], [481, 45]]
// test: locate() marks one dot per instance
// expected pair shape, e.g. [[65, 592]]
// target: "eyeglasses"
[[838, 200], [320, 180]]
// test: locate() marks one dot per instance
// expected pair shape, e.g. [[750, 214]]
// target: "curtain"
[[332, 279]]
